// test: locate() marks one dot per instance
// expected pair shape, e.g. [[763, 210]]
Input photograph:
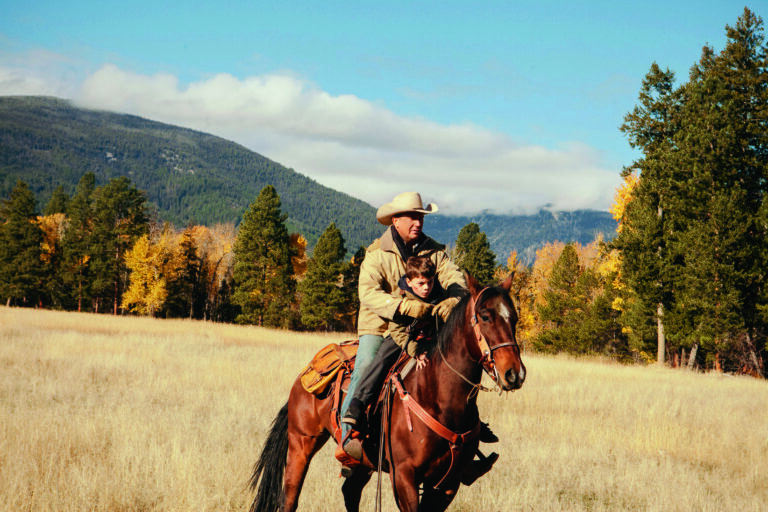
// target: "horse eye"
[[485, 316]]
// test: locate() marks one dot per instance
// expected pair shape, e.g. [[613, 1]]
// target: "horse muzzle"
[[512, 379]]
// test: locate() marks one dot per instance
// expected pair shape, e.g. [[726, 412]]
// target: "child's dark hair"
[[420, 266]]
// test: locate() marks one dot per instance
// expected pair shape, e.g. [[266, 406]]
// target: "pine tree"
[[725, 155], [351, 293], [647, 263], [120, 217], [58, 202], [561, 305], [186, 296], [76, 244], [22, 274], [704, 168], [473, 253], [264, 286], [322, 294]]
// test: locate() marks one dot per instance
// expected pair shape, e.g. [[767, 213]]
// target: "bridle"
[[486, 351]]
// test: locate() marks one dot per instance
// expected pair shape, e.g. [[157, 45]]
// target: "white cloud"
[[347, 143]]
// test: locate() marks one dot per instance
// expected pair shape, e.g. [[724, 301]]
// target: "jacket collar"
[[428, 246]]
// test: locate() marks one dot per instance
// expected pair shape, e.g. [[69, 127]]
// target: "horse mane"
[[454, 323]]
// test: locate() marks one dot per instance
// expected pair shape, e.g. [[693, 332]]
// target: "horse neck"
[[445, 380]]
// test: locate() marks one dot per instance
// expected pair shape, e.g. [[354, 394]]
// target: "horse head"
[[494, 318]]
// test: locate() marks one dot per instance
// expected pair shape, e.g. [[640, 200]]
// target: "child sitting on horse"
[[412, 335]]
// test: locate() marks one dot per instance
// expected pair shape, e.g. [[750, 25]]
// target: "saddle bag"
[[323, 368]]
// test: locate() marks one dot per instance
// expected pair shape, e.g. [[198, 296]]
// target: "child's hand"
[[414, 308], [422, 361], [443, 309]]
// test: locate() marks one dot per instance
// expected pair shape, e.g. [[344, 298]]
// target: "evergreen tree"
[[647, 263], [322, 294], [58, 202], [22, 274], [76, 245], [264, 286], [351, 292], [186, 292], [473, 253], [703, 171], [562, 305], [120, 217], [725, 157]]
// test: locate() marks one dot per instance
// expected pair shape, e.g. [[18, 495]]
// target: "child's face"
[[421, 286]]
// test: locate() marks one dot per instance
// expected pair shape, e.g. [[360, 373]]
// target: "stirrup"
[[348, 464]]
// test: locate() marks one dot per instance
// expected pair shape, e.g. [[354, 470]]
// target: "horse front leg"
[[406, 488], [352, 488], [437, 500], [301, 449]]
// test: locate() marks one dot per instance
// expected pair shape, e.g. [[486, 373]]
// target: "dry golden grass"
[[101, 413]]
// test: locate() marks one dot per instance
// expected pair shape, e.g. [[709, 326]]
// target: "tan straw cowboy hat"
[[402, 203]]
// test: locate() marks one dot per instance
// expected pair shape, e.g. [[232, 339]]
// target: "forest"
[[683, 282]]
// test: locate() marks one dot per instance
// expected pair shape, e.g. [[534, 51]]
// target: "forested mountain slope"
[[190, 176]]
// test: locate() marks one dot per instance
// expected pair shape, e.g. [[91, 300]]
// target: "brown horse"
[[431, 431]]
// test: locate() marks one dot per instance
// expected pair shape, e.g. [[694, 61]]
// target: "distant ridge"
[[528, 233], [191, 176]]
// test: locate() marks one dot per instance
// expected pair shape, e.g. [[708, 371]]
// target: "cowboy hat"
[[402, 203]]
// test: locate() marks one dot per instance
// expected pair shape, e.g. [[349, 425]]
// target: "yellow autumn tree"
[[214, 250], [622, 197], [53, 227], [299, 258], [147, 291], [612, 260], [522, 294]]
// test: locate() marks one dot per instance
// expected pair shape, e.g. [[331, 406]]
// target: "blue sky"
[[506, 106]]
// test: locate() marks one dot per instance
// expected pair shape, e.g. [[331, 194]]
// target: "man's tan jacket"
[[381, 270]]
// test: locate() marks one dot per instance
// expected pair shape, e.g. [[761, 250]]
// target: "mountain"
[[526, 233], [190, 176]]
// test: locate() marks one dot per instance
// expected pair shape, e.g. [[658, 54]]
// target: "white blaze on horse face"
[[503, 310]]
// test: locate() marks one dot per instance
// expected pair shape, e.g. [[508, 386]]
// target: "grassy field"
[[100, 413]]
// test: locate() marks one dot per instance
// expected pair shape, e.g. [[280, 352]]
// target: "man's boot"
[[355, 415]]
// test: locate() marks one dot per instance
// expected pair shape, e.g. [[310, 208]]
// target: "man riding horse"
[[381, 270]]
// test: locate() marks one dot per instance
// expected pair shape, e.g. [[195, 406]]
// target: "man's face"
[[409, 225], [421, 286]]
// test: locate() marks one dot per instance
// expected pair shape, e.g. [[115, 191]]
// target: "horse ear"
[[472, 284], [507, 283]]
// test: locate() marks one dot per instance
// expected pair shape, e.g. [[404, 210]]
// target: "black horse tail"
[[270, 468]]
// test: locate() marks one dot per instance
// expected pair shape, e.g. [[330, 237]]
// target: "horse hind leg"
[[301, 449]]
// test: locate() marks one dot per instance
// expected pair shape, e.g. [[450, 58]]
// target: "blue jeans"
[[368, 347]]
